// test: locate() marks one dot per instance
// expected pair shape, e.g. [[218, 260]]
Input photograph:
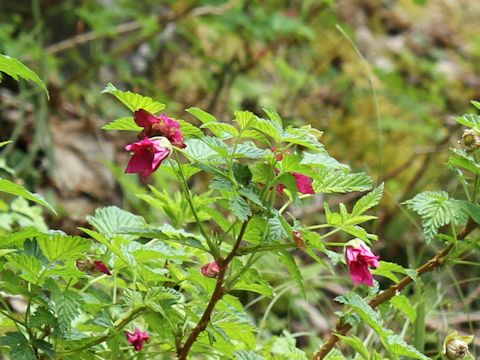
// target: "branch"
[[217, 295], [438, 260]]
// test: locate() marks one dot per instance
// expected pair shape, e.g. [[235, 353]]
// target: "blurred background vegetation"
[[382, 78]]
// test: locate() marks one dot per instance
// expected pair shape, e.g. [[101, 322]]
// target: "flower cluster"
[[156, 139]]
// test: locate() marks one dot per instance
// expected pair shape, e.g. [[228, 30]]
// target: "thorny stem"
[[438, 260], [217, 295]]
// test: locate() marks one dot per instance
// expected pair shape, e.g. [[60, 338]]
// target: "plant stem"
[[188, 195], [438, 260], [217, 295], [124, 322]]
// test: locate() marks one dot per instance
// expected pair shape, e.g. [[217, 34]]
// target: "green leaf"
[[188, 130], [368, 315], [249, 150], [3, 143], [261, 172], [198, 150], [64, 247], [242, 173], [328, 181], [239, 207], [276, 230], [398, 346], [470, 120], [476, 104], [222, 130], [323, 159], [268, 128], [356, 344], [22, 352], [67, 305], [244, 118], [124, 124], [16, 69], [201, 115], [134, 101], [110, 219], [29, 267], [368, 201], [436, 209], [46, 347], [401, 303], [15, 189], [247, 355], [273, 116], [288, 260], [387, 269]]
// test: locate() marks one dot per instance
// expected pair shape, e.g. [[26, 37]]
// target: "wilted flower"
[[359, 259], [100, 266], [137, 338], [297, 237], [303, 182], [159, 126], [470, 140], [211, 269], [148, 154], [455, 346]]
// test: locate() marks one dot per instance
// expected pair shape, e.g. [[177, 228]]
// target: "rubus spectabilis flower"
[[455, 347], [159, 126], [211, 269], [303, 182], [137, 338], [147, 156], [102, 267], [359, 259]]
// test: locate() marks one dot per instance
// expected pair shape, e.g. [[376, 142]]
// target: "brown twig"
[[217, 295], [438, 260]]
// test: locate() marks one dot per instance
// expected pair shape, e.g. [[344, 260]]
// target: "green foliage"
[[437, 209], [17, 69], [9, 187], [134, 101]]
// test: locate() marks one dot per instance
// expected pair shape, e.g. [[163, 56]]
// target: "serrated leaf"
[[268, 128], [401, 303], [398, 346], [368, 315], [46, 347], [29, 267], [9, 187], [239, 207], [132, 298], [356, 344], [261, 172], [470, 120], [22, 352], [123, 124], [222, 130], [201, 115], [387, 269], [247, 355], [273, 116], [64, 247], [198, 150], [67, 305], [322, 159], [249, 150], [188, 130], [436, 209], [328, 181], [134, 101], [368, 201], [244, 118], [16, 69], [276, 230], [110, 219]]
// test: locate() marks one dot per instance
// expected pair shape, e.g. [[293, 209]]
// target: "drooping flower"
[[159, 126], [102, 267], [137, 338], [147, 156], [303, 182], [211, 269], [359, 259]]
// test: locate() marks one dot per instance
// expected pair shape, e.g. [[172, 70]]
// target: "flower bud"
[[297, 237], [455, 346], [470, 140], [211, 269]]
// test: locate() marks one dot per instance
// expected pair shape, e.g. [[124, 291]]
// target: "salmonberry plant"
[[132, 289]]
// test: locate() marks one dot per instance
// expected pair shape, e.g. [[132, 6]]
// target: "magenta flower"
[[304, 184], [137, 338], [147, 156], [359, 259], [100, 266], [159, 126], [211, 269]]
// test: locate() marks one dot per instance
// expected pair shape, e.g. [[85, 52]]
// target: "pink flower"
[[211, 269], [359, 259], [148, 154], [304, 184], [137, 338], [100, 266], [159, 126]]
